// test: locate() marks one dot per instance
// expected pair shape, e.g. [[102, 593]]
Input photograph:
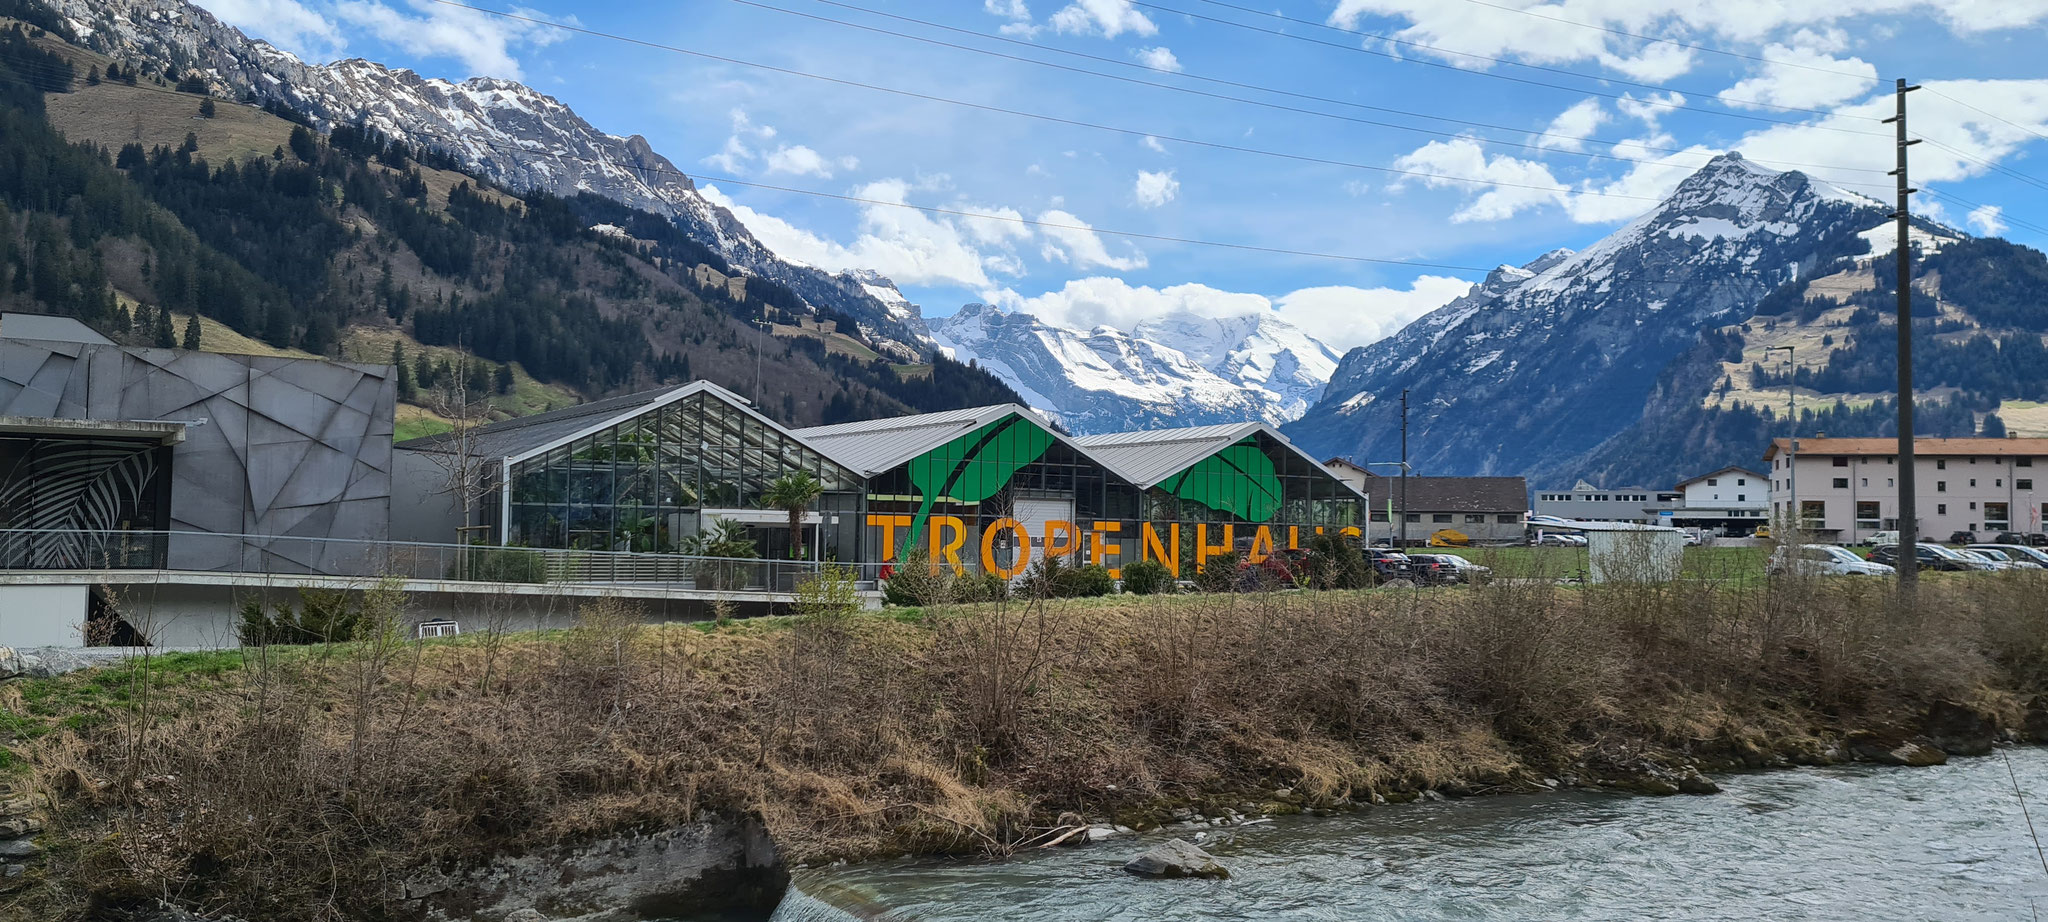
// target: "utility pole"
[[1404, 468], [1909, 516], [1792, 456]]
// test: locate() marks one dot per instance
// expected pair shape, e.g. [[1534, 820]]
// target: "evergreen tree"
[[191, 343], [1993, 427], [477, 377], [302, 144], [408, 389], [166, 337], [423, 371], [92, 77], [505, 379], [206, 108]]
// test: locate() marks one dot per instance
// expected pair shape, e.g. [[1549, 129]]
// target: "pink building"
[[1848, 488]]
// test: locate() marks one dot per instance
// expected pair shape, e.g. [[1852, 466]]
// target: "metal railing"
[[24, 549]]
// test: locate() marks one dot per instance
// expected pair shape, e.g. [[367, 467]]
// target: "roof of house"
[[49, 328], [523, 437], [872, 446], [1453, 494], [1947, 448], [1148, 456], [1730, 469]]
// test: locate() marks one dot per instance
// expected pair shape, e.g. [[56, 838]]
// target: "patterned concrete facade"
[[273, 447]]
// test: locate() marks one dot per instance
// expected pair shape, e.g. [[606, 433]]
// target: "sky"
[[1423, 141]]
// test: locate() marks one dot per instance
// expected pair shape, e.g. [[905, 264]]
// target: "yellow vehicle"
[[1449, 537], [1762, 531]]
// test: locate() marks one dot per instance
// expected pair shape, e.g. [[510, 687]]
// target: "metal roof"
[[1149, 456], [1455, 494], [526, 436], [872, 446], [1922, 447], [49, 328]]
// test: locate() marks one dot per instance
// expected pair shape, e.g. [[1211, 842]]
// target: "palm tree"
[[794, 493]]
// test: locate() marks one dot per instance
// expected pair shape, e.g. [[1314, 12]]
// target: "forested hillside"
[[127, 199]]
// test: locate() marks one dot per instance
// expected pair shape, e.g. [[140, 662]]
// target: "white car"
[[2026, 557], [1823, 560], [1999, 562]]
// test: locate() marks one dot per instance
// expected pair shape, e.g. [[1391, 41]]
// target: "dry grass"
[[296, 786]]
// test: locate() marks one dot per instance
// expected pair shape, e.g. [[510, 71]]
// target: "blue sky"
[[1788, 83]]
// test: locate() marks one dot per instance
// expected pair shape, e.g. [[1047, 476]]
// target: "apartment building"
[[1848, 488]]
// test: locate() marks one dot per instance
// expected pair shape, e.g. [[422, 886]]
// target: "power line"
[[1250, 86], [1452, 67], [1966, 155], [1995, 115], [1038, 116]]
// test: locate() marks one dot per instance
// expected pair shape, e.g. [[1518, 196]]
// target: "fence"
[[288, 555]]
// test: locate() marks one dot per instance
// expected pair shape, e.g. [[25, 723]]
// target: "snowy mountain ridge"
[[1180, 369], [501, 129]]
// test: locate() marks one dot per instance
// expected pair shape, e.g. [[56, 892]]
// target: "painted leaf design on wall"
[[974, 466], [1239, 480], [79, 490]]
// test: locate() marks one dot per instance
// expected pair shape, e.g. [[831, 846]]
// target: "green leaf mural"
[[974, 466], [1239, 480]]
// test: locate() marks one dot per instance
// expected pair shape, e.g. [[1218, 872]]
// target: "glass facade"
[[1008, 493], [650, 483]]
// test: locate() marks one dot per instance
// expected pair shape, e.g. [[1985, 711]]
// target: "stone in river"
[[1176, 858]]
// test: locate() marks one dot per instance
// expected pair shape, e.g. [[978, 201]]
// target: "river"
[[1847, 843]]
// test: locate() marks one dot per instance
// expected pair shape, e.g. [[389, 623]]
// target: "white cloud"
[[1346, 318], [909, 246], [1986, 220], [1155, 189], [1074, 241], [799, 160], [1650, 107], [1109, 18], [1153, 143], [1802, 76], [483, 43], [1529, 183], [288, 24], [1016, 12], [1158, 58], [1556, 33], [1342, 317], [1934, 116], [1570, 129]]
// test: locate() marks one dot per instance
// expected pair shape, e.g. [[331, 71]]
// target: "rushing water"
[[1853, 843]]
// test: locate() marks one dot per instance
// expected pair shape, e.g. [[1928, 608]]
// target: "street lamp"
[[1791, 456], [1403, 465]]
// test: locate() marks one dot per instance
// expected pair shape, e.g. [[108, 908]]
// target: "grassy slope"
[[274, 778]]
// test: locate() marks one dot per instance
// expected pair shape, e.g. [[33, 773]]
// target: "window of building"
[[1941, 486], [1888, 482], [1865, 481], [2023, 462], [2023, 484], [1742, 497], [1813, 509], [1473, 519], [1941, 464], [1996, 517], [1379, 515], [1999, 482], [1940, 508], [1507, 518], [1713, 481], [1841, 483], [1841, 460], [1413, 517], [1742, 481], [1973, 481], [1867, 515], [1440, 518]]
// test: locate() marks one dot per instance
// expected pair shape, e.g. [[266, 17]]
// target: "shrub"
[[502, 565], [914, 584], [1147, 577], [323, 616], [1218, 573], [981, 586], [1333, 563], [1084, 582]]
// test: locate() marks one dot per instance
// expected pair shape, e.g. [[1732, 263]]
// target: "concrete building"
[[1733, 501], [1848, 488], [1488, 510], [1588, 503]]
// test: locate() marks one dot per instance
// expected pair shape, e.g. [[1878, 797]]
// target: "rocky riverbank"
[[355, 781]]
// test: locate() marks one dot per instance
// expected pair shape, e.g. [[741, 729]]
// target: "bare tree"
[[462, 466]]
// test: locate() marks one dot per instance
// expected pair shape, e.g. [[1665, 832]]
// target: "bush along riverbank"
[[385, 778]]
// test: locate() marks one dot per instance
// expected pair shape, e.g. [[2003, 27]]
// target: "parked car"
[[1998, 561], [1390, 565], [1555, 539], [1962, 537], [2018, 553], [1692, 539], [2023, 538], [1762, 531], [1446, 569], [1823, 560], [1881, 537], [1931, 557]]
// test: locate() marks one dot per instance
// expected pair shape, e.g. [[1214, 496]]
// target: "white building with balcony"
[[1848, 488]]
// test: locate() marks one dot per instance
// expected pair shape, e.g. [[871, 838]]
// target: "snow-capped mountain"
[[500, 129], [1545, 361], [1176, 370]]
